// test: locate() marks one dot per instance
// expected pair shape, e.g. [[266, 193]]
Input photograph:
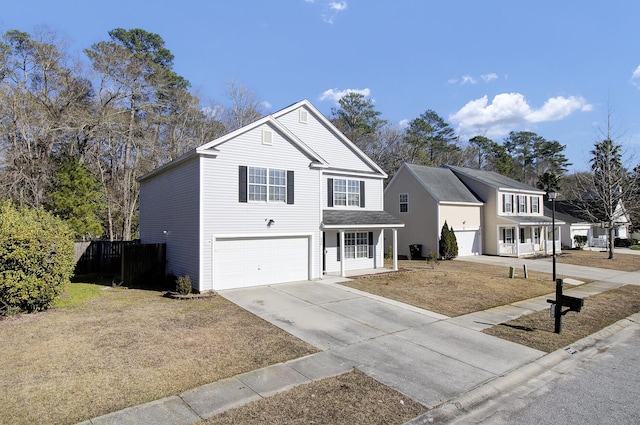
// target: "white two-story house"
[[514, 223], [285, 198]]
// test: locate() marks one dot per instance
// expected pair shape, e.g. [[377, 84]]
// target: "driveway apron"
[[419, 353]]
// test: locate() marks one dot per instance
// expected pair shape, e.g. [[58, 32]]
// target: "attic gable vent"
[[267, 137], [303, 115]]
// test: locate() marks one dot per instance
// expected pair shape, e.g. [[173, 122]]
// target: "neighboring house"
[[513, 222], [573, 226], [578, 222], [424, 198], [285, 198]]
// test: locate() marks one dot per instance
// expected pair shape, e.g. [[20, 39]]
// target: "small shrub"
[[432, 259], [622, 243], [183, 285], [580, 240]]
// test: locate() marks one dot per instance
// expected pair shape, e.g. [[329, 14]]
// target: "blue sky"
[[488, 67]]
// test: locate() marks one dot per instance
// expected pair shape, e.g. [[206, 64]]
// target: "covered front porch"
[[528, 236], [354, 240]]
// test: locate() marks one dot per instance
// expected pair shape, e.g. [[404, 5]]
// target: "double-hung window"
[[267, 184], [277, 185], [346, 193], [257, 184], [356, 245], [522, 203], [404, 202], [535, 204], [507, 235], [507, 203]]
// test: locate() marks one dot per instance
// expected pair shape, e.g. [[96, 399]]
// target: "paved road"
[[602, 390]]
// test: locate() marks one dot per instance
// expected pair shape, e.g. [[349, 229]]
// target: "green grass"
[[636, 247], [77, 293]]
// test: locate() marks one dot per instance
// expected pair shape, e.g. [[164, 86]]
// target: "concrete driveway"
[[419, 353]]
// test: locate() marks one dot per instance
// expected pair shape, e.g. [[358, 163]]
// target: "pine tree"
[[453, 244]]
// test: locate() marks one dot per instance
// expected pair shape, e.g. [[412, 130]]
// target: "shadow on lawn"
[[101, 279]]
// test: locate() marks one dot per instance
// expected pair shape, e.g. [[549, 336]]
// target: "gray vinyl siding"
[[224, 215], [324, 142], [169, 203]]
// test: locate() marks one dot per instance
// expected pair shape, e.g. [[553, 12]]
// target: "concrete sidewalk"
[[427, 356], [562, 270]]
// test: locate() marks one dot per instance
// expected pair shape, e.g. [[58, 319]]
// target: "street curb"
[[556, 362]]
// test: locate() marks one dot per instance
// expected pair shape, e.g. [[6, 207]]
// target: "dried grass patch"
[[126, 347], [599, 311], [454, 288], [351, 398], [622, 262]]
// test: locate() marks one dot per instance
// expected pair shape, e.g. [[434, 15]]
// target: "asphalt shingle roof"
[[492, 179], [443, 184], [359, 218]]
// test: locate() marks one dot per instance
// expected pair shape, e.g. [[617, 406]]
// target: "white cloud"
[[467, 79], [470, 79], [635, 77], [489, 77], [404, 123], [335, 95], [330, 8], [338, 6], [508, 111], [266, 105]]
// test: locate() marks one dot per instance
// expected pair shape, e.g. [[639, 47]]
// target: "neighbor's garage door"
[[468, 242], [260, 261]]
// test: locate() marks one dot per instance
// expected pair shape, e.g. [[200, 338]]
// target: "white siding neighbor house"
[[579, 222], [285, 198], [424, 198]]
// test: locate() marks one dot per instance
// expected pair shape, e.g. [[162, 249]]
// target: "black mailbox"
[[574, 303]]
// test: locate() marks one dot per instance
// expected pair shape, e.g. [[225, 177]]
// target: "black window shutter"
[[371, 247], [330, 194], [290, 187], [338, 245], [242, 183], [504, 203], [361, 193]]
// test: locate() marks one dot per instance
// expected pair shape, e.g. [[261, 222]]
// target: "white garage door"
[[468, 242], [260, 261]]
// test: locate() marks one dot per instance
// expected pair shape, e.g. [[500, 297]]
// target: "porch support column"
[[517, 240], [343, 260], [395, 249]]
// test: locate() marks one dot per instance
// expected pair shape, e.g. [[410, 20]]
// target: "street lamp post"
[[552, 196]]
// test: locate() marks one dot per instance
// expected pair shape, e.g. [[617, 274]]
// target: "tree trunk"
[[611, 241]]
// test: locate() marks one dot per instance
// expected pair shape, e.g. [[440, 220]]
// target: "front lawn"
[[103, 349], [455, 287]]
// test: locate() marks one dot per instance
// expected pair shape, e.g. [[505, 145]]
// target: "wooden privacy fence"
[[104, 257], [135, 263], [144, 264]]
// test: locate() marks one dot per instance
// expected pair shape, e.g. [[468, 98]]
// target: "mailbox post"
[[574, 304]]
